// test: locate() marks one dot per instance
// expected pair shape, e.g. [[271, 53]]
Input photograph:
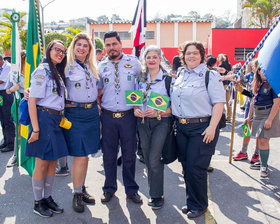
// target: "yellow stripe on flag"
[[35, 53], [24, 131]]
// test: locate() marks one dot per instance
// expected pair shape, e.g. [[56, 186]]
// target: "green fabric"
[[134, 97], [158, 102], [264, 154]]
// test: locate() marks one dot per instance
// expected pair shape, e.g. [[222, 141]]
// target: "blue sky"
[[68, 9]]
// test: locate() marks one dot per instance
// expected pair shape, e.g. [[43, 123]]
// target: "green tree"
[[6, 30], [99, 43], [263, 12], [70, 33], [51, 36], [103, 19]]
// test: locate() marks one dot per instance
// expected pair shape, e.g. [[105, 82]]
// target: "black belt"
[[117, 114], [83, 105], [193, 120], [51, 111], [262, 107]]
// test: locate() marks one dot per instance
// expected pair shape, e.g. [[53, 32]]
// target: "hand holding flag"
[[134, 97], [158, 102]]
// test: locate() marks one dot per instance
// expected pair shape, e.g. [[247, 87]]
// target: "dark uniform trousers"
[[195, 156], [115, 131], [7, 124]]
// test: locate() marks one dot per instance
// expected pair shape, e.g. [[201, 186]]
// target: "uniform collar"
[[117, 60], [159, 76], [200, 68]]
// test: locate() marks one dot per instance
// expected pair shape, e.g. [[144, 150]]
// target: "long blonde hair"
[[90, 57]]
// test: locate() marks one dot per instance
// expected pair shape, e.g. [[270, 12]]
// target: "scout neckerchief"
[[117, 75], [88, 76]]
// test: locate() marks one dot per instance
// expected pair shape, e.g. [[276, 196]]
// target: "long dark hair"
[[57, 69]]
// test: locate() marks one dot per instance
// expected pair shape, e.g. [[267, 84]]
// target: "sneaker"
[[87, 198], [256, 166], [77, 203], [185, 209], [157, 203], [240, 156], [264, 171], [41, 209], [62, 172], [52, 205], [107, 196], [135, 198], [13, 161], [255, 158]]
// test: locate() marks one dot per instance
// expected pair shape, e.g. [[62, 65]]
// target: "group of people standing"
[[72, 87]]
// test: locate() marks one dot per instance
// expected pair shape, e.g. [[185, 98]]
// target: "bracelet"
[[35, 131]]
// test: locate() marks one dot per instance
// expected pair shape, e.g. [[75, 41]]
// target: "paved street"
[[237, 194]]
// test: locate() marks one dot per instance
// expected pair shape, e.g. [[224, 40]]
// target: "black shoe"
[[135, 198], [87, 198], [78, 204], [157, 203], [41, 209], [7, 149], [3, 146], [195, 213], [13, 161], [185, 209], [107, 196], [119, 161], [210, 169], [52, 205]]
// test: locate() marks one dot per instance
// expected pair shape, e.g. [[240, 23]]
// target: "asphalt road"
[[237, 194]]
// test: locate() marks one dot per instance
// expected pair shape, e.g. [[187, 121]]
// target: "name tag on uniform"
[[39, 77]]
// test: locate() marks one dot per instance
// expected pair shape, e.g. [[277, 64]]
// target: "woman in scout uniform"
[[153, 125], [265, 108], [198, 110], [46, 141], [81, 109]]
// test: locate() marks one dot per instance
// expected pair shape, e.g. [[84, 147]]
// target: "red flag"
[[138, 28]]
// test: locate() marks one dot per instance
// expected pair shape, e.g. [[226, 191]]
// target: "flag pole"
[[233, 126]]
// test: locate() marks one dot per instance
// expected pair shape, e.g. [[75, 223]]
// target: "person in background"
[[153, 130], [264, 111], [11, 89], [83, 138], [46, 141], [6, 101], [224, 63], [99, 55], [176, 64], [198, 110], [118, 73]]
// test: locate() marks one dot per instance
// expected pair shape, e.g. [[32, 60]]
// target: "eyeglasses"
[[195, 53], [59, 51]]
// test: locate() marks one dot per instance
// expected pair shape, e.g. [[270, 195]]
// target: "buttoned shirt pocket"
[[76, 81], [196, 88], [51, 87]]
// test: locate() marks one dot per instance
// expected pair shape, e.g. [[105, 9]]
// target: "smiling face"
[[81, 49], [113, 48], [57, 53], [192, 57], [152, 60]]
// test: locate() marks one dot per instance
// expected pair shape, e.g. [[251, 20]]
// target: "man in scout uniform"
[[6, 101], [118, 73]]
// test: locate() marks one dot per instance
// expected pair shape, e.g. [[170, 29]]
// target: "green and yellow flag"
[[34, 52], [246, 130], [158, 102], [134, 97], [15, 72]]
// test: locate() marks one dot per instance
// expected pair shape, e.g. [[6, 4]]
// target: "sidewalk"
[[236, 193]]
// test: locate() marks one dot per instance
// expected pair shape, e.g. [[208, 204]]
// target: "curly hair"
[[199, 47]]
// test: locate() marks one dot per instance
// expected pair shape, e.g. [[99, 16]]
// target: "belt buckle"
[[183, 121], [117, 115], [88, 105]]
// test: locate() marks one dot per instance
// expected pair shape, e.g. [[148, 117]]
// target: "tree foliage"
[[263, 12], [52, 36], [99, 43]]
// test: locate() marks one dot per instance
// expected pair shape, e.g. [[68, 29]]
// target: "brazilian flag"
[[158, 102], [134, 97], [34, 52], [246, 130]]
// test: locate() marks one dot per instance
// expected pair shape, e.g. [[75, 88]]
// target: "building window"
[[125, 35], [101, 35], [150, 35], [241, 53]]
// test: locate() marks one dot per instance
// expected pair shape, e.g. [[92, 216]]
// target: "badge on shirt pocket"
[[129, 78], [54, 90], [106, 80], [265, 90], [78, 85]]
